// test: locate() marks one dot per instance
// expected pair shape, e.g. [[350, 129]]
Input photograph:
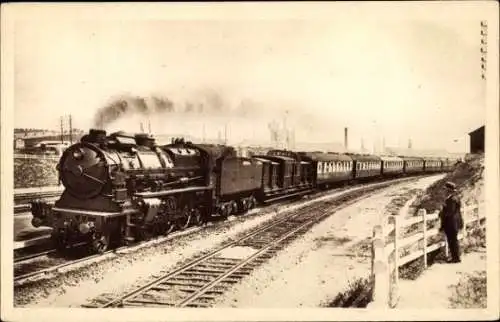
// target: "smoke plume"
[[206, 101], [128, 105]]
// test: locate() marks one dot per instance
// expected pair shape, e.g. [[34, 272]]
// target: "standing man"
[[452, 221]]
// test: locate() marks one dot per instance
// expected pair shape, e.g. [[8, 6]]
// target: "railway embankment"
[[469, 178], [461, 285]]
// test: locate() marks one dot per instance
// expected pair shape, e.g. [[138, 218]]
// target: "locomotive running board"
[[170, 192], [87, 212]]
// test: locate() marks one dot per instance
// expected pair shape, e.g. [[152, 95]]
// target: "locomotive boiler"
[[122, 187]]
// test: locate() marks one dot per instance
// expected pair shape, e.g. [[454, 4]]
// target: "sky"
[[382, 78]]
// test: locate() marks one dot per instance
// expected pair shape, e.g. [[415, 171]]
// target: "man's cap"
[[450, 185]]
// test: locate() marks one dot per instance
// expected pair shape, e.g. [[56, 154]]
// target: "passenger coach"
[[329, 168], [392, 166], [366, 166]]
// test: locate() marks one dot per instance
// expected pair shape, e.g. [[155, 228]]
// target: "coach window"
[[319, 167]]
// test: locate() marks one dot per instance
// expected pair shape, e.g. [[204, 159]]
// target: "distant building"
[[31, 138], [47, 147], [477, 140]]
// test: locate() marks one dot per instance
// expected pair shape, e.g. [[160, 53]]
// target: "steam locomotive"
[[122, 188]]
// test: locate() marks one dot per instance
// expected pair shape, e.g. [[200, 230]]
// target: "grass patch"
[[465, 174], [394, 206], [35, 173], [357, 294], [364, 247], [331, 241], [415, 268], [470, 292]]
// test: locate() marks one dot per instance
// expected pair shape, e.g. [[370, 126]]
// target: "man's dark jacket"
[[451, 218]]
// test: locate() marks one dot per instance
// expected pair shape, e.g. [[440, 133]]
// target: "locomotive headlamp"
[[78, 154], [36, 222], [84, 228]]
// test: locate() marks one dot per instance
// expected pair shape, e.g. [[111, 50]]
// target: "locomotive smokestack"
[[97, 136], [345, 139], [145, 140]]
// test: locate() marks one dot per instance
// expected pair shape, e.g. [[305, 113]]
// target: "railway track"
[[22, 259], [22, 197], [46, 261], [206, 277]]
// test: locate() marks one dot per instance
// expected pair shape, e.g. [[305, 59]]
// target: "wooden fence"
[[388, 242]]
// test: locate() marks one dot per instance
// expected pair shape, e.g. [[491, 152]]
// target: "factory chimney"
[[345, 138]]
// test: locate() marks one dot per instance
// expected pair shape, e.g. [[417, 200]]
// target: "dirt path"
[[438, 281]]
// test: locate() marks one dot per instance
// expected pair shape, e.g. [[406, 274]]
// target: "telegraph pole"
[[62, 131], [70, 130], [225, 133]]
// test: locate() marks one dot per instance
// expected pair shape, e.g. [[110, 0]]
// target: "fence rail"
[[386, 258], [37, 156]]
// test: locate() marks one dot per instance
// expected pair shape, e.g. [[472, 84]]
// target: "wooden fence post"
[[423, 213], [379, 269], [396, 260]]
